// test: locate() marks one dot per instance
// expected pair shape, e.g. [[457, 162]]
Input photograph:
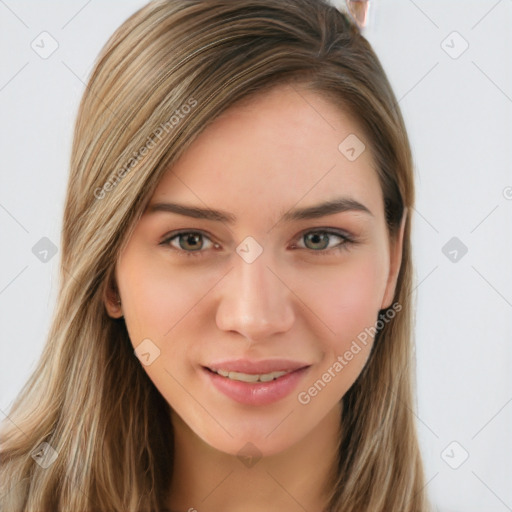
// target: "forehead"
[[278, 148]]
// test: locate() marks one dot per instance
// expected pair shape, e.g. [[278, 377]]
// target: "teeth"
[[267, 377], [246, 377]]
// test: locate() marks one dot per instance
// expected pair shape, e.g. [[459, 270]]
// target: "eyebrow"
[[339, 205]]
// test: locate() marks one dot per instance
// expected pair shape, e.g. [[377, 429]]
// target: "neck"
[[296, 479]]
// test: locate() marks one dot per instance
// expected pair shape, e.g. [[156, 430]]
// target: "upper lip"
[[257, 367]]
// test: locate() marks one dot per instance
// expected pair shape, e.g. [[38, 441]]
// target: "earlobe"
[[395, 263], [112, 299]]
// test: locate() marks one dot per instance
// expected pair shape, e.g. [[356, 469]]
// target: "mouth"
[[249, 377], [253, 383]]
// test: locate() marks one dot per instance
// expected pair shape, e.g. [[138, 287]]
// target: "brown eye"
[[188, 242]]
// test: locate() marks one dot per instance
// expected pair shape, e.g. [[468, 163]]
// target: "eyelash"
[[347, 241]]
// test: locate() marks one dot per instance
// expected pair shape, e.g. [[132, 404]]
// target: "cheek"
[[160, 303], [346, 297], [160, 299]]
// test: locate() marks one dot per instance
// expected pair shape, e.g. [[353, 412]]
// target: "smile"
[[257, 389], [247, 377]]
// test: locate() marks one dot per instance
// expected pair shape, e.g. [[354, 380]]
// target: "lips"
[[255, 382]]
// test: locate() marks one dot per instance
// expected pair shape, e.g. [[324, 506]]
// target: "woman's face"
[[263, 278]]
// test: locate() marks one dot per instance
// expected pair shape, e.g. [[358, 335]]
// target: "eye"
[[189, 243], [322, 239]]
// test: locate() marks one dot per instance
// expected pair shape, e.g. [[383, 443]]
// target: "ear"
[[395, 262], [111, 297]]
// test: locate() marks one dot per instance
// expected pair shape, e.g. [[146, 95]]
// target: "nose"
[[254, 301]]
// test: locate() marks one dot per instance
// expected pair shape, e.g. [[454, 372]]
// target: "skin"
[[297, 300]]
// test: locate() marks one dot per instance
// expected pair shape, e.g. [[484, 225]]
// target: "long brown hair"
[[162, 77]]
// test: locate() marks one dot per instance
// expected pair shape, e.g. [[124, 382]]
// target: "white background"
[[459, 116]]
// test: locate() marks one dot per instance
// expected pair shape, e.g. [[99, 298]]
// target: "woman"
[[233, 327]]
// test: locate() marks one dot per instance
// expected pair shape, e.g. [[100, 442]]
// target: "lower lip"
[[259, 393]]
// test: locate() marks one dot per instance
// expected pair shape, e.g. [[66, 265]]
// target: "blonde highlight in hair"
[[89, 398]]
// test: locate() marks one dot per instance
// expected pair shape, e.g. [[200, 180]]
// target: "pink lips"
[[256, 393]]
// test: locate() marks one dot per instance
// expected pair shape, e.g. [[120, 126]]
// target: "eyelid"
[[331, 231]]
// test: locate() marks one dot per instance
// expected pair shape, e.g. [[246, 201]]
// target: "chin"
[[249, 447]]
